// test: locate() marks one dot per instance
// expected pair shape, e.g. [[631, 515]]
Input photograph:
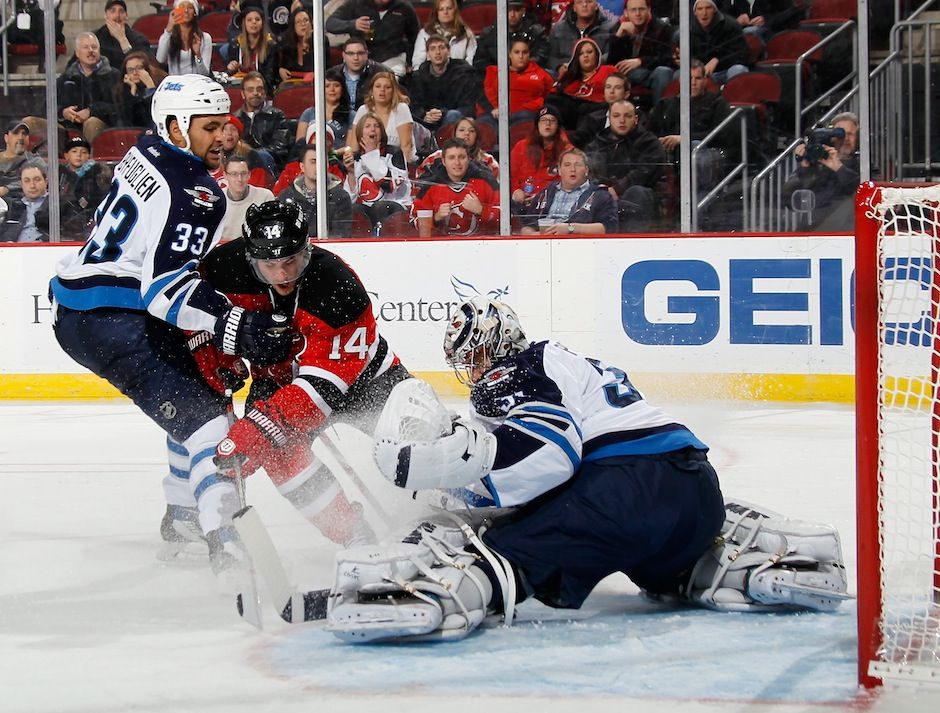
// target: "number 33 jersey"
[[164, 212], [552, 409]]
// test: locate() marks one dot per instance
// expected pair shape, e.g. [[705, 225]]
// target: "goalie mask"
[[481, 333], [276, 241]]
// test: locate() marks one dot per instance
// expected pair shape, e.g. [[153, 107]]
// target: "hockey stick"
[[248, 602], [354, 477], [291, 605]]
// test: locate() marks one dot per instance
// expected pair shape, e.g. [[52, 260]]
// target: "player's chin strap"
[[762, 561]]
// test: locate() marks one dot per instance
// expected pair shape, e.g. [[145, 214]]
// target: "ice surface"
[[91, 621]]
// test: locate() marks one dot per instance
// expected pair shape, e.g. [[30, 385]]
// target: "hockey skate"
[[228, 560], [183, 541]]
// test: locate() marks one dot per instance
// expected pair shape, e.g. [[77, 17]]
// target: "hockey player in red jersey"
[[341, 367], [464, 204]]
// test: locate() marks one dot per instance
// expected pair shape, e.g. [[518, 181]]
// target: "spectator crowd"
[[412, 111]]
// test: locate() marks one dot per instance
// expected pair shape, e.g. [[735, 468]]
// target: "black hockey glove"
[[262, 338]]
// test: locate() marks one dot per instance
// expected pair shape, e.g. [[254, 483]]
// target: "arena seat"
[[112, 144]]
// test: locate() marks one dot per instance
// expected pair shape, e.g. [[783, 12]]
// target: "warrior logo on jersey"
[[202, 197]]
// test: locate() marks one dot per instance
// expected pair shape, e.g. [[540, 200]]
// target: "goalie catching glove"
[[250, 443], [260, 337], [419, 444]]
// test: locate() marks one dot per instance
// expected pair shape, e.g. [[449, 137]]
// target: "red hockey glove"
[[250, 444], [220, 371]]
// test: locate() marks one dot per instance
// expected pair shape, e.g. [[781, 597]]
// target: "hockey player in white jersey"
[[122, 302], [596, 480]]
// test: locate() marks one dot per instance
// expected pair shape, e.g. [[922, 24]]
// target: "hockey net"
[[897, 310]]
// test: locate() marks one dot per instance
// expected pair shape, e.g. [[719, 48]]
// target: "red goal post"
[[897, 313]]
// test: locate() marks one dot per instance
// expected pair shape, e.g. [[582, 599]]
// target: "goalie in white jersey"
[[125, 302], [598, 481]]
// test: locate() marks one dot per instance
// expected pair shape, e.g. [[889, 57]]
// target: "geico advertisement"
[[696, 305]]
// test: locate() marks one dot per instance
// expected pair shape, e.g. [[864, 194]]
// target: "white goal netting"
[[908, 363]]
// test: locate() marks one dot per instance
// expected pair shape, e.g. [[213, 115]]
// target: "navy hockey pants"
[[650, 517], [145, 359]]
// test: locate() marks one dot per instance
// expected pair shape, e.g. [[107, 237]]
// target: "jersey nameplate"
[[137, 176]]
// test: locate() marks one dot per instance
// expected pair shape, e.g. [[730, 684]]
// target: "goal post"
[[897, 312]]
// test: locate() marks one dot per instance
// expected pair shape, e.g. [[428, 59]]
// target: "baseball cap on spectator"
[[312, 129], [17, 124], [237, 123], [194, 3], [74, 143], [515, 3], [548, 109], [111, 3]]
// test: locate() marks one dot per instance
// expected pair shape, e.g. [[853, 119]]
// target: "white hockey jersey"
[[552, 409], [162, 215]]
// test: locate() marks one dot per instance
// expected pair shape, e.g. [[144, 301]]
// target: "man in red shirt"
[[463, 204]]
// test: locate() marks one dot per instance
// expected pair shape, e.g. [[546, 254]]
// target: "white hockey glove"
[[420, 444], [452, 461], [763, 561]]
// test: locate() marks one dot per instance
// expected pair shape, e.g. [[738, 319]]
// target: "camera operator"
[[828, 168]]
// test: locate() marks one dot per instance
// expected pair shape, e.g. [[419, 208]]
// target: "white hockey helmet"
[[184, 96], [483, 330]]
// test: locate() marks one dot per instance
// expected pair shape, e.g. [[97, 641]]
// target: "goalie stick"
[[292, 606], [354, 477]]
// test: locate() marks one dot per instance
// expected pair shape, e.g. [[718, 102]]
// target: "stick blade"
[[248, 604]]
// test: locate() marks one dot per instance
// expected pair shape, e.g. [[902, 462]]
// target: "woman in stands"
[[529, 85], [445, 21], [253, 48], [385, 99], [376, 175], [133, 95], [465, 130], [183, 48], [294, 55], [534, 160], [581, 91], [337, 108]]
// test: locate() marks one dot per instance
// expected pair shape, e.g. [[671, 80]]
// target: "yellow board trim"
[[838, 388]]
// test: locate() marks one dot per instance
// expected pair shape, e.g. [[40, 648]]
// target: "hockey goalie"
[[568, 475]]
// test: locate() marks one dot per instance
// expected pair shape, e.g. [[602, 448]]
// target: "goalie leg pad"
[[426, 586], [762, 561]]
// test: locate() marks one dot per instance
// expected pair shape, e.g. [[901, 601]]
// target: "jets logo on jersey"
[[202, 197], [495, 376]]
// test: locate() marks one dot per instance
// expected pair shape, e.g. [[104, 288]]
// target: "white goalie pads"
[[425, 586], [419, 444], [763, 561]]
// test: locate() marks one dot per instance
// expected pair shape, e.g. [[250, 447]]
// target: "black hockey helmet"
[[276, 231], [273, 230]]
